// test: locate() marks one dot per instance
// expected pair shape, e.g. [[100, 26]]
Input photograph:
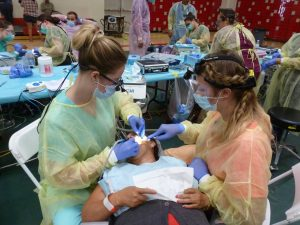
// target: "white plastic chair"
[[24, 144], [267, 220], [292, 214]]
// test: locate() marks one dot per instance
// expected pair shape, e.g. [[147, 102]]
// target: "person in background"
[[197, 34], [30, 14], [176, 16], [47, 7], [71, 22], [284, 89], [77, 132], [139, 33], [57, 43], [6, 9], [232, 35], [234, 140], [6, 34]]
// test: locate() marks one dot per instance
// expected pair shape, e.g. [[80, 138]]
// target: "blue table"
[[172, 74], [11, 90]]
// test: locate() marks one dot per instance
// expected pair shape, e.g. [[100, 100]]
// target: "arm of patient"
[[94, 209], [186, 153]]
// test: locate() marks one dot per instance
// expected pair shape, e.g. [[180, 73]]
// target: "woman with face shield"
[[7, 34], [234, 140], [77, 133]]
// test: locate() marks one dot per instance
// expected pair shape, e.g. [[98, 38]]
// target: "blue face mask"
[[109, 91], [190, 27], [9, 37], [151, 1], [71, 23], [203, 102], [43, 30]]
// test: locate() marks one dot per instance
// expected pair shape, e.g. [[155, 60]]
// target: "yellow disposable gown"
[[75, 143], [57, 45], [234, 37], [284, 89], [239, 168], [200, 36]]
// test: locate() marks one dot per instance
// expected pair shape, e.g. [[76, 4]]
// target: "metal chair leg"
[[277, 156], [291, 151]]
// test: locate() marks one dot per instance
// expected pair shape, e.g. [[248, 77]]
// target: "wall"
[[207, 11], [119, 8], [229, 4], [264, 14], [94, 9]]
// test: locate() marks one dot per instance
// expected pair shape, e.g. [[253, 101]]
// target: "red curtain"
[[264, 14]]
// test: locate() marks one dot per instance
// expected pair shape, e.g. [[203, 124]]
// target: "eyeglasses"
[[118, 84]]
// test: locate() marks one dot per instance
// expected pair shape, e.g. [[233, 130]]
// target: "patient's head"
[[149, 152]]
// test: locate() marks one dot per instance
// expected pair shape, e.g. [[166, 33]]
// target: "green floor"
[[19, 203]]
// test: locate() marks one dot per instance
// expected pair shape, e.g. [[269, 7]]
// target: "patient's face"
[[146, 148]]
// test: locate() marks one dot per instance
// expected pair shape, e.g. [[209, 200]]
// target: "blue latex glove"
[[276, 55], [36, 52], [167, 131], [268, 63], [137, 124], [20, 71], [19, 49], [126, 149], [200, 168], [188, 41]]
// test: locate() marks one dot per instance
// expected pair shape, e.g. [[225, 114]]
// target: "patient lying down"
[[143, 191]]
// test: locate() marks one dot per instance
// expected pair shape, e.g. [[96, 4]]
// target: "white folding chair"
[[267, 220], [24, 144], [293, 213]]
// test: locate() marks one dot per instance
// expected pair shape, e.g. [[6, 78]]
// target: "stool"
[[287, 119]]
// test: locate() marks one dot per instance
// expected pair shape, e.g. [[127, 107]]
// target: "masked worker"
[[234, 140], [7, 34], [197, 34], [234, 36], [284, 89], [177, 14], [57, 43], [139, 34], [77, 132]]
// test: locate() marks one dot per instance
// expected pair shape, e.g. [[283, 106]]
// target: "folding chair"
[[24, 144], [293, 213]]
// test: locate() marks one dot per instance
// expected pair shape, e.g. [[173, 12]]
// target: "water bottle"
[[29, 59]]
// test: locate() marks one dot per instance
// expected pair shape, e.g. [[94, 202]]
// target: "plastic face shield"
[[200, 68]]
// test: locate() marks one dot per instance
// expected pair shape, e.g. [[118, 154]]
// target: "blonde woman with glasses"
[[77, 134]]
